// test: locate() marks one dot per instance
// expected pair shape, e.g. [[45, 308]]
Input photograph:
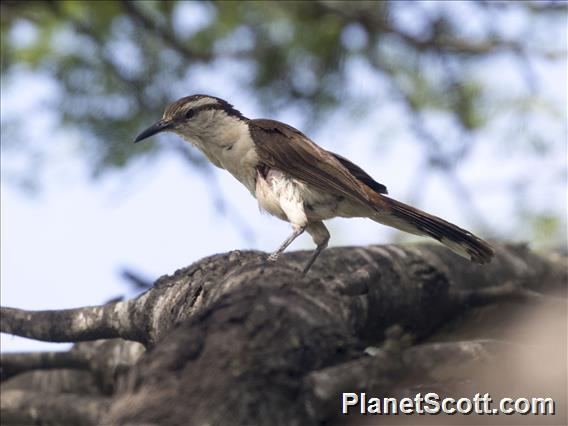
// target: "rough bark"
[[104, 359], [235, 340], [28, 407]]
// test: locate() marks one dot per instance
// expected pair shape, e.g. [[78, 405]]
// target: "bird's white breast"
[[281, 196], [294, 201], [226, 141]]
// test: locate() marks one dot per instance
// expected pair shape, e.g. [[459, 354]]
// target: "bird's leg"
[[296, 233], [313, 258], [320, 234]]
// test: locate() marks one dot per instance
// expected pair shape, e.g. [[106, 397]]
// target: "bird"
[[298, 181]]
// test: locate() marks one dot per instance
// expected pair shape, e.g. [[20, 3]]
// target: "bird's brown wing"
[[287, 149], [361, 174]]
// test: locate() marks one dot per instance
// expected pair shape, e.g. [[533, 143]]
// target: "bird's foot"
[[273, 257]]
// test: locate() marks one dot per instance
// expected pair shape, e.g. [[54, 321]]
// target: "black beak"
[[158, 127]]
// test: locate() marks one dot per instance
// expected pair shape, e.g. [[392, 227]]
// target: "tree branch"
[[28, 407], [105, 360], [323, 319], [174, 299], [212, 326], [164, 33], [388, 366], [13, 363], [74, 325]]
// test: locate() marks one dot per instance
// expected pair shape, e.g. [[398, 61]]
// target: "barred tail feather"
[[415, 221]]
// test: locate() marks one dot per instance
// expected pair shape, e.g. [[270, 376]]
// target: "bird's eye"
[[189, 113]]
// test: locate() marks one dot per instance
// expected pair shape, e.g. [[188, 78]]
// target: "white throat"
[[226, 142]]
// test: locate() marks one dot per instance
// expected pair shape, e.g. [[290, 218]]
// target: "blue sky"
[[64, 245]]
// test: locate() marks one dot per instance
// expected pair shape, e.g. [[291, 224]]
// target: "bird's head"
[[193, 117]]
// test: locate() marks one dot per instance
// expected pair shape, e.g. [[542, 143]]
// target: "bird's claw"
[[272, 258]]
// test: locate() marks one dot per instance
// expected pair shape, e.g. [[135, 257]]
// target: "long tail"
[[415, 221]]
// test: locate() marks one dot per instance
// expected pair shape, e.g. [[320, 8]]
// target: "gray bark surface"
[[233, 339]]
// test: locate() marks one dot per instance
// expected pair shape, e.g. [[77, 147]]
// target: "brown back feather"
[[285, 148]]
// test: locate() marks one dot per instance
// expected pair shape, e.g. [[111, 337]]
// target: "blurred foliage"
[[116, 60], [544, 229], [118, 63]]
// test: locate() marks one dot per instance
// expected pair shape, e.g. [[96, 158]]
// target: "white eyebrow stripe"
[[204, 101], [187, 103]]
